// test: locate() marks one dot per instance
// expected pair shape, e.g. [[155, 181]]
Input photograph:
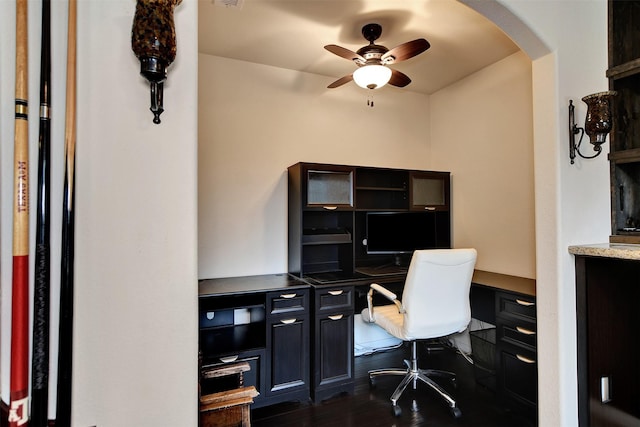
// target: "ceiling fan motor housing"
[[372, 32], [372, 53]]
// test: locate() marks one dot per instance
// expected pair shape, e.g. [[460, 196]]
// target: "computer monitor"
[[399, 232]]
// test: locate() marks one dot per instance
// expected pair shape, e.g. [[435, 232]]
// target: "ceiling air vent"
[[235, 4]]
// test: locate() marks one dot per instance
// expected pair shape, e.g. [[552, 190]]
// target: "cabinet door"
[[330, 187], [333, 355], [429, 190], [289, 368], [518, 375]]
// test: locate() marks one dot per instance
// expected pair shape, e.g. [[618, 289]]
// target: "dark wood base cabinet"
[[288, 340], [333, 342], [516, 350], [297, 338], [607, 297]]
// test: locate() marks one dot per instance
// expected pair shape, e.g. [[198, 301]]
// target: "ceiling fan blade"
[[341, 81], [399, 79], [345, 53], [405, 51]]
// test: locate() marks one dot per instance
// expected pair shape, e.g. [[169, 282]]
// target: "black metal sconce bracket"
[[573, 131]]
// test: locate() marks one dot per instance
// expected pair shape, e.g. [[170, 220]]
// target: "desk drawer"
[[288, 301], [518, 306], [334, 298], [517, 332], [519, 373]]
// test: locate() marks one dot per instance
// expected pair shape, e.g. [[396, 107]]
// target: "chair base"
[[411, 376]]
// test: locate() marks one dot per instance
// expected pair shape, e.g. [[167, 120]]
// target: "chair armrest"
[[385, 293]]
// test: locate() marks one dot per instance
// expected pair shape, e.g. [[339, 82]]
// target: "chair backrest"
[[436, 292]]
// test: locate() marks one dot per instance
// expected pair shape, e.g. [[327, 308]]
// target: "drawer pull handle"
[[525, 303], [429, 208], [525, 331], [336, 293], [229, 359], [288, 296], [288, 321], [525, 359], [330, 208], [336, 317]]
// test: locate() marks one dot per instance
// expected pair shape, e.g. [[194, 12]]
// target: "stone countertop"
[[607, 250]]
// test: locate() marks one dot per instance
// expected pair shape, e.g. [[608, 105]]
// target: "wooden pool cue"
[[19, 389], [41, 288], [65, 338]]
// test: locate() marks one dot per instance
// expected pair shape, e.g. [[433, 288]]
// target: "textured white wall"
[[135, 337], [255, 121], [482, 131], [568, 42]]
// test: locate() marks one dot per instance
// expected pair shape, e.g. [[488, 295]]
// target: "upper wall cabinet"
[[624, 156], [430, 191], [328, 187], [330, 208]]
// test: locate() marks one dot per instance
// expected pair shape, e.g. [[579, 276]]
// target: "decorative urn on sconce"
[[597, 124], [153, 40]]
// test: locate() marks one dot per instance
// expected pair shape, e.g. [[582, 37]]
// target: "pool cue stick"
[[19, 389], [41, 288], [65, 338]]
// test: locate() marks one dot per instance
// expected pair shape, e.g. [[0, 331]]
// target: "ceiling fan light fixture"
[[372, 76]]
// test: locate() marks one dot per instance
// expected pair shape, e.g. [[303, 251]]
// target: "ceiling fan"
[[373, 60]]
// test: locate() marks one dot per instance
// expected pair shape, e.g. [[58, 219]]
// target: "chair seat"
[[388, 318]]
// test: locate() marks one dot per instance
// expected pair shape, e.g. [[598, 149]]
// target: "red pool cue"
[[19, 390]]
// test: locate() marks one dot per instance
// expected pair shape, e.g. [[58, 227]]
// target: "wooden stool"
[[229, 408]]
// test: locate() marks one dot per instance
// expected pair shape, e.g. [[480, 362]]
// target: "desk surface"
[[248, 284], [239, 285], [505, 282]]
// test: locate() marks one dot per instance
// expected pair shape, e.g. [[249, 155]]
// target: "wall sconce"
[[597, 123], [153, 40], [372, 76]]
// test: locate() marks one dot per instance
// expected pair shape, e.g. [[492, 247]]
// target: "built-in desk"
[[297, 334]]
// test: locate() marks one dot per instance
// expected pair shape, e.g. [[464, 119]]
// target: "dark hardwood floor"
[[371, 407]]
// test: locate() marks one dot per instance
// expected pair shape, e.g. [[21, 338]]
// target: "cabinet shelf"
[[624, 70], [625, 156], [233, 339], [325, 236], [381, 189]]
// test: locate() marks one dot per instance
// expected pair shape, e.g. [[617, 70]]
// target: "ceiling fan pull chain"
[[370, 101]]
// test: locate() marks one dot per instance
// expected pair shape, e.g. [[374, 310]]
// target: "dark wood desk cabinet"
[[265, 321], [509, 303], [297, 338], [333, 341]]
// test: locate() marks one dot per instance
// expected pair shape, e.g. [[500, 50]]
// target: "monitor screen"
[[399, 232]]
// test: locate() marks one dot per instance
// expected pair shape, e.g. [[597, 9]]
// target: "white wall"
[[482, 131], [271, 118], [135, 336], [255, 121], [572, 202]]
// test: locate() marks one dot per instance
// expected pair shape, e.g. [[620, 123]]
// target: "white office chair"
[[435, 303]]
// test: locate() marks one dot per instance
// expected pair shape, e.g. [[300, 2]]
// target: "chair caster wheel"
[[397, 411], [456, 412]]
